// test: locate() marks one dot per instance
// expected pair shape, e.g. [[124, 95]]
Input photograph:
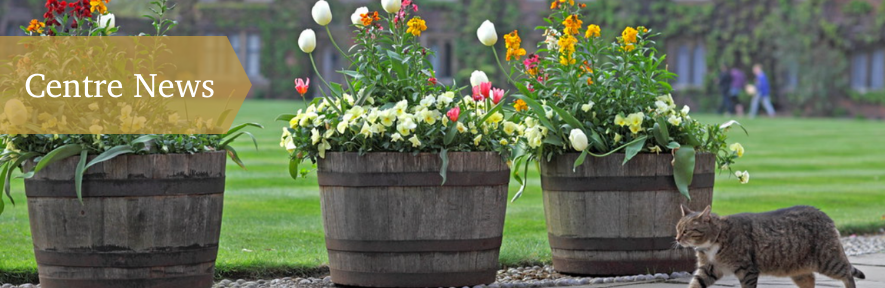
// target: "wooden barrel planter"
[[389, 223], [146, 221], [611, 219]]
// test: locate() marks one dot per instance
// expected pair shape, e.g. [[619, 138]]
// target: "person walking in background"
[[725, 88], [763, 93], [738, 80]]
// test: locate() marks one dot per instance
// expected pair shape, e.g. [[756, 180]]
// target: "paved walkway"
[[873, 265]]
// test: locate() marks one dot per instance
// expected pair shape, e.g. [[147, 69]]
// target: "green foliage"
[[858, 7]]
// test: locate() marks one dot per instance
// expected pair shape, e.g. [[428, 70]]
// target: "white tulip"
[[107, 21], [478, 77], [307, 41], [391, 6], [321, 12], [357, 17], [578, 139], [487, 34]]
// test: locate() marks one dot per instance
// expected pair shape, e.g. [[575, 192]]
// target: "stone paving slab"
[[872, 265]]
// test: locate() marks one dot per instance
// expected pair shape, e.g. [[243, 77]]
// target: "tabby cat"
[[792, 242]]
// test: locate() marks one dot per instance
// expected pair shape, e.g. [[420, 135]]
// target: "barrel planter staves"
[[606, 218], [389, 223], [146, 221]]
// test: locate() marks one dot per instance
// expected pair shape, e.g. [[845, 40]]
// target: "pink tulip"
[[301, 85], [454, 113], [497, 95], [481, 91]]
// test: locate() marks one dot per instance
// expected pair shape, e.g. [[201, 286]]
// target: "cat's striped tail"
[[857, 274]]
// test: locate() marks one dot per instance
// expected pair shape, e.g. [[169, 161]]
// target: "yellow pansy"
[[620, 121], [738, 148]]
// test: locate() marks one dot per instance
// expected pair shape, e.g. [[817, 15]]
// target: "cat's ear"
[[706, 213], [685, 210]]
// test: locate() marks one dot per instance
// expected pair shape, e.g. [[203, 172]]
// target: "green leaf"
[[662, 135], [3, 171], [110, 154], [539, 111], [78, 175], [284, 117], [53, 156], [568, 118], [235, 157], [450, 134], [397, 63], [492, 112], [244, 125], [7, 174], [525, 173], [580, 160], [293, 168], [631, 150], [227, 142], [444, 155], [683, 169]]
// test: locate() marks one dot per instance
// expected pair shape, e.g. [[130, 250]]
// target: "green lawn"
[[272, 224]]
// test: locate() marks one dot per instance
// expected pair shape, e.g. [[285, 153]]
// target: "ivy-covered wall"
[[811, 40]]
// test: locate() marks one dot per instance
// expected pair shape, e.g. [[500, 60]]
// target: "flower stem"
[[336, 44], [497, 59], [314, 64]]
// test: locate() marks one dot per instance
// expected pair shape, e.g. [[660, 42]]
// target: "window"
[[253, 55], [868, 70], [683, 66], [699, 69], [877, 70], [691, 65]]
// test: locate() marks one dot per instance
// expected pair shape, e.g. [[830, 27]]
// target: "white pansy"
[[396, 137], [588, 106], [315, 136], [415, 141], [675, 121], [685, 109], [428, 101]]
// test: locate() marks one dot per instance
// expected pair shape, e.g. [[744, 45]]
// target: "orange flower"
[[416, 26], [520, 105], [98, 5], [593, 30], [513, 42], [628, 48], [36, 26], [554, 5], [572, 25], [369, 17], [570, 2], [629, 35], [582, 5]]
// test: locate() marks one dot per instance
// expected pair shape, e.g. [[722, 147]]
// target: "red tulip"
[[432, 81], [301, 85], [497, 95], [454, 113]]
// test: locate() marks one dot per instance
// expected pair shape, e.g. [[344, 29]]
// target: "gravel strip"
[[529, 277]]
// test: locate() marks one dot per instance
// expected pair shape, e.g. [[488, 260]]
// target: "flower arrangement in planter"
[[116, 210], [396, 144], [583, 95]]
